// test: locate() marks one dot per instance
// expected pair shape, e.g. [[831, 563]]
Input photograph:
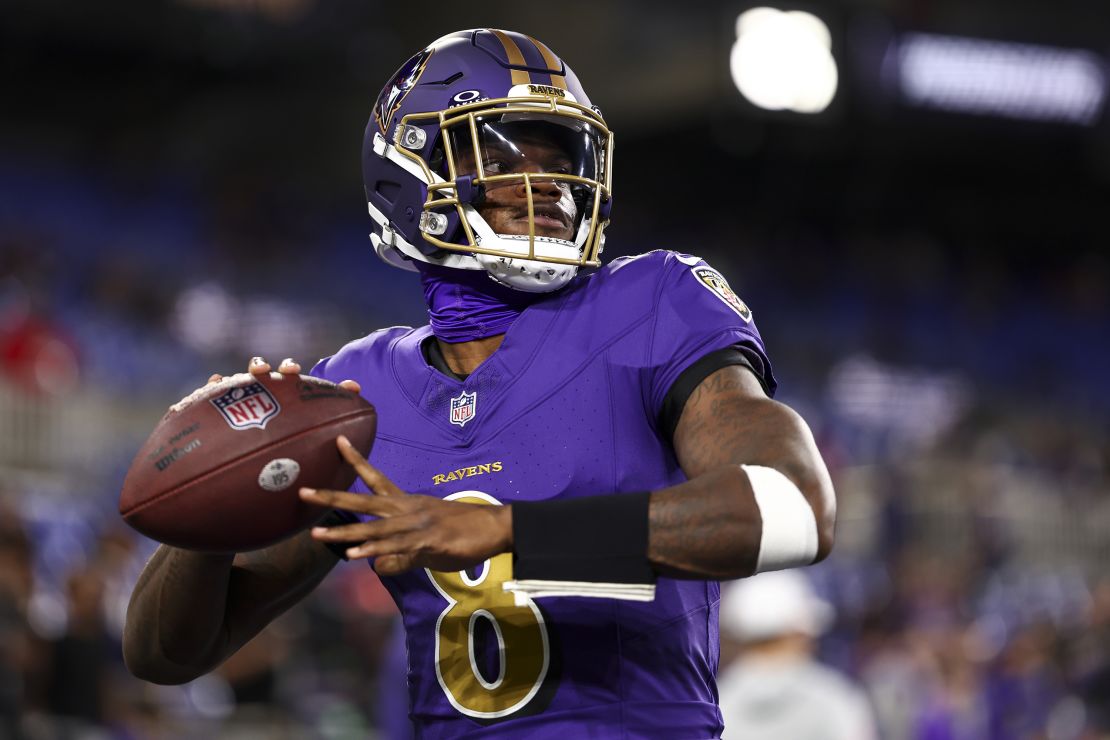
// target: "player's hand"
[[288, 366], [413, 531]]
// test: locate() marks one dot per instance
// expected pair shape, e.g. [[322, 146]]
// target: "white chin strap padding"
[[521, 273], [529, 276]]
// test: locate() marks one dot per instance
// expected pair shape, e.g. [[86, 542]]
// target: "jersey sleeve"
[[697, 316], [324, 369]]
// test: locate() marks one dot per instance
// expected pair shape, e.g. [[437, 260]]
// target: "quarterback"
[[570, 456]]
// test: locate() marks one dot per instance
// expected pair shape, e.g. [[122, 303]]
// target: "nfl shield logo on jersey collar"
[[463, 408]]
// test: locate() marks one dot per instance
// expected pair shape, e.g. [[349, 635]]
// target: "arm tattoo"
[[710, 525], [728, 421]]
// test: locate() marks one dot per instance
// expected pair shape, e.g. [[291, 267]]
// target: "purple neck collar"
[[464, 305]]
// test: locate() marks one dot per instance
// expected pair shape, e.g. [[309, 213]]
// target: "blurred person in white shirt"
[[775, 689]]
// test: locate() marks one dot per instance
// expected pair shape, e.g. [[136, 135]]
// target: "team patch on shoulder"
[[716, 284]]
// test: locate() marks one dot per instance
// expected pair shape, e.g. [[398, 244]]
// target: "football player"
[[569, 457]]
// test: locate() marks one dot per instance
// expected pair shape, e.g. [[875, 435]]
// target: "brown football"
[[220, 472]]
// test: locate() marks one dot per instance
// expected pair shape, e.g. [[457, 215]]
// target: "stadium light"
[[1012, 80], [782, 60]]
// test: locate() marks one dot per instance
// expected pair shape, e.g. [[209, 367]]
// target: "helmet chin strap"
[[529, 276], [521, 273], [395, 250]]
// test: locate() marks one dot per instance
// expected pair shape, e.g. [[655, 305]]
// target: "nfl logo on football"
[[463, 408], [247, 406]]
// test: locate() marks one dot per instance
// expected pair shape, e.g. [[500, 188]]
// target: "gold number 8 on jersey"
[[522, 643]]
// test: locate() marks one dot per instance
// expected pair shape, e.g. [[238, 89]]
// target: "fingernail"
[[319, 530], [308, 491], [352, 552], [287, 361], [344, 441], [257, 361]]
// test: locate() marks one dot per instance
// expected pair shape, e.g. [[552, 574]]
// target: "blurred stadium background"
[[926, 249]]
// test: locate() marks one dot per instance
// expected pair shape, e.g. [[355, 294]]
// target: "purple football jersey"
[[567, 406]]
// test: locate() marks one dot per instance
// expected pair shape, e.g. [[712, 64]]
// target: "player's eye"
[[495, 167]]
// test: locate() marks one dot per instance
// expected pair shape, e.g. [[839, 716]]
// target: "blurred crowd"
[[962, 413]]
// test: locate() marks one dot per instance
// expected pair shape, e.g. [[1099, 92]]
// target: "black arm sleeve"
[[692, 376]]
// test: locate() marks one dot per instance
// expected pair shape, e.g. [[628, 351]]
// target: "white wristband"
[[789, 536]]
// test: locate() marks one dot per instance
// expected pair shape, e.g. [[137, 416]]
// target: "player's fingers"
[[373, 477], [343, 533], [357, 502], [289, 367], [404, 544], [350, 385], [363, 531], [258, 366], [215, 378]]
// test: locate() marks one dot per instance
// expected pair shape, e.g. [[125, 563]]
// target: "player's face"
[[505, 207]]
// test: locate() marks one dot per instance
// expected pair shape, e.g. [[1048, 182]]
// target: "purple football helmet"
[[475, 112]]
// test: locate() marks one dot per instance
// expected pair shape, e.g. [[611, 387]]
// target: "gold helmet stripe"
[[516, 58], [552, 63]]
